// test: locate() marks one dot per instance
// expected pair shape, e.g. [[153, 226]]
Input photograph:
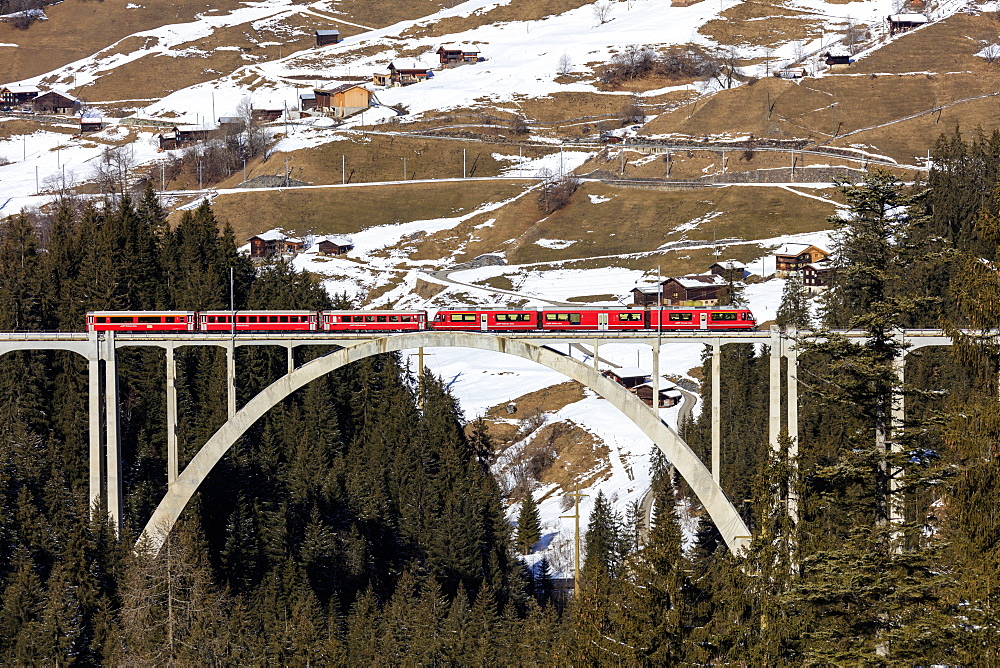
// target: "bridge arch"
[[729, 523]]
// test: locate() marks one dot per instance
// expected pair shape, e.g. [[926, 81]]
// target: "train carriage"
[[141, 321], [600, 320], [492, 320], [258, 321], [701, 319], [373, 321]]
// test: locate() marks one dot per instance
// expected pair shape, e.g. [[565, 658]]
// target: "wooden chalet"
[[700, 290], [899, 23], [406, 72], [324, 37], [333, 245], [91, 124], [54, 102], [11, 96], [273, 243], [645, 295], [383, 79], [837, 57], [453, 54], [731, 270], [628, 377], [669, 397], [817, 276], [790, 73], [793, 257], [230, 124], [307, 101], [344, 100]]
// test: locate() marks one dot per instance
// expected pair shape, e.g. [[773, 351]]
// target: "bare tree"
[[632, 111], [727, 61], [855, 35], [991, 52], [24, 12], [519, 126], [113, 170], [565, 65], [557, 192], [602, 12]]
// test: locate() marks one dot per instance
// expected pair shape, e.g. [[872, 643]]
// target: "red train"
[[588, 319]]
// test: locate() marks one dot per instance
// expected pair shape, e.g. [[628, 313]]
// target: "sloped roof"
[[699, 281], [460, 46], [327, 32], [630, 372], [909, 18], [730, 264], [648, 289], [342, 88], [837, 52], [411, 64], [271, 235], [57, 92], [334, 239], [21, 89], [795, 249]]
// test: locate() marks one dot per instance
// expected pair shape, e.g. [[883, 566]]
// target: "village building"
[[403, 73], [91, 124], [332, 245], [668, 397], [54, 102], [837, 56], [269, 244], [628, 377], [324, 37], [266, 115], [793, 257], [899, 23], [790, 72], [701, 290], [731, 270], [307, 101], [454, 54], [645, 295], [12, 96], [231, 124], [816, 277], [343, 100]]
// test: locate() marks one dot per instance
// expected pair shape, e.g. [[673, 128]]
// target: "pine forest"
[[359, 524]]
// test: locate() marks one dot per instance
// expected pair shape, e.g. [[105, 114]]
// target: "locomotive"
[[587, 319]]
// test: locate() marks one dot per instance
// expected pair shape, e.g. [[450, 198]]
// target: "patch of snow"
[[555, 244], [598, 199]]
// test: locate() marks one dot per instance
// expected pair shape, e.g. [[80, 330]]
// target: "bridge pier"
[[792, 417], [231, 378], [717, 412], [94, 423], [291, 357], [656, 378], [774, 393], [896, 512], [113, 427], [172, 462]]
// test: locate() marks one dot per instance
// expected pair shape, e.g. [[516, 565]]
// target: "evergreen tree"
[[794, 309], [529, 529]]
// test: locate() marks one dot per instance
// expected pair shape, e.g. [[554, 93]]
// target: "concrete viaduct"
[[105, 444]]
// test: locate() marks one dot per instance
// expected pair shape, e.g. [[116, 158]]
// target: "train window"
[[463, 317], [369, 318], [241, 318], [747, 315], [210, 318], [629, 317], [501, 317], [121, 319], [380, 318], [250, 318], [393, 318], [571, 318], [283, 318], [150, 318], [723, 316], [272, 318], [681, 317], [406, 318], [356, 318], [101, 319], [524, 317]]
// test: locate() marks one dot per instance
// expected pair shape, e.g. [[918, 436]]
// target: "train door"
[[703, 320], [484, 324], [602, 322]]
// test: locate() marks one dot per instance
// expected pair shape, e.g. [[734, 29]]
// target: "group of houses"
[[36, 100], [406, 71], [277, 244], [811, 263]]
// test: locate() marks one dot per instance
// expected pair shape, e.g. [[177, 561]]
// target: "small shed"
[[790, 73], [167, 141], [54, 102], [645, 295], [905, 22], [344, 100], [668, 397], [91, 124], [382, 78], [266, 115], [454, 53], [628, 377], [307, 101], [333, 245], [837, 57], [231, 123], [185, 134], [269, 244], [324, 37], [13, 95]]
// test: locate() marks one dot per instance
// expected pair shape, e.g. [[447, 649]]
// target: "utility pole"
[[420, 373], [576, 541], [404, 168], [463, 163], [163, 178], [244, 170], [343, 170], [286, 172], [199, 176]]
